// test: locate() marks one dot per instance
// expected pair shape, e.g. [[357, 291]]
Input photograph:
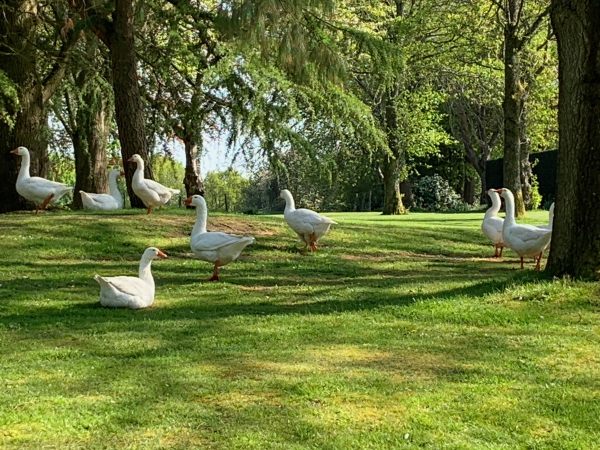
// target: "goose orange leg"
[[313, 242], [44, 204], [215, 275], [539, 260], [149, 210], [501, 249]]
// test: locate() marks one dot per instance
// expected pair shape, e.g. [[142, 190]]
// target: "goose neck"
[[200, 225], [25, 163], [145, 272], [493, 210], [290, 205], [138, 175], [113, 187], [510, 210]]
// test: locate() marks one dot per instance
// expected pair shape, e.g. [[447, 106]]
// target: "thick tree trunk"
[[193, 178], [18, 62], [128, 102], [512, 120], [89, 144], [575, 246], [92, 122]]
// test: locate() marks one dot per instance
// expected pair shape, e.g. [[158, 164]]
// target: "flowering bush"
[[433, 193]]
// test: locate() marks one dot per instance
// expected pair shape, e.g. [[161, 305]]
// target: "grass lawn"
[[400, 332]]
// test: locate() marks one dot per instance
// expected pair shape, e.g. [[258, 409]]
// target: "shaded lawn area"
[[400, 332]]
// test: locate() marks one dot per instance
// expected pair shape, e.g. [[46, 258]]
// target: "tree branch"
[[52, 80]]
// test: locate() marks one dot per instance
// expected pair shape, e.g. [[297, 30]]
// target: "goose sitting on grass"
[[130, 292], [105, 202], [309, 225], [38, 190], [525, 240], [151, 193], [214, 246], [492, 224]]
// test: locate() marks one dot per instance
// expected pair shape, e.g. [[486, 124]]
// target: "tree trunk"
[[89, 145], [18, 62], [525, 165], [482, 172], [526, 175], [392, 199], [575, 246], [468, 191], [128, 103], [512, 123], [193, 179], [393, 164]]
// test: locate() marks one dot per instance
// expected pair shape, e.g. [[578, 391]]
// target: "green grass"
[[400, 332]]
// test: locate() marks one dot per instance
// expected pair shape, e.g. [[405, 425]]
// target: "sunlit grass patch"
[[399, 332]]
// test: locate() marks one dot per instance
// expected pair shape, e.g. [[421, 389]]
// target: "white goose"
[[308, 224], [214, 246], [105, 202], [38, 190], [492, 224], [130, 292], [153, 194], [525, 240]]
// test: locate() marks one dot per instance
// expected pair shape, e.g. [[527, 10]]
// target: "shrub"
[[433, 193], [536, 197]]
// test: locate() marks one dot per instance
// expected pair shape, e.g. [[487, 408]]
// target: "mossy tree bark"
[[512, 120], [35, 81], [89, 144], [575, 246]]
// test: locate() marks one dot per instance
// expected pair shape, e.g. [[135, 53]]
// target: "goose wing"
[[307, 221], [214, 240], [40, 187], [530, 233], [163, 192], [102, 200], [133, 286]]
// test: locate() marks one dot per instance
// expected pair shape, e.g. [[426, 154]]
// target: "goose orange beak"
[[161, 254], [15, 151], [130, 159], [188, 201]]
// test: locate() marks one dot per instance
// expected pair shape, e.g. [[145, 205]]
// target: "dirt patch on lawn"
[[237, 226]]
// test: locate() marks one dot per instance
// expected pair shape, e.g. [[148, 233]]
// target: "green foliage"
[[294, 37], [167, 171], [225, 191], [9, 100], [433, 193], [61, 167], [536, 197]]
